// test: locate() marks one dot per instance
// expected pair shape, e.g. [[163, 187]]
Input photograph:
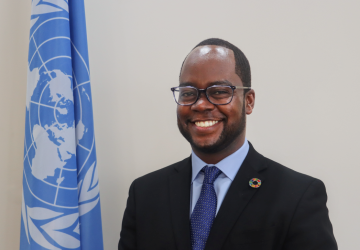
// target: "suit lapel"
[[179, 184], [236, 199]]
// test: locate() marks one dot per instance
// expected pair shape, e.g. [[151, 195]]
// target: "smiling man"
[[225, 195]]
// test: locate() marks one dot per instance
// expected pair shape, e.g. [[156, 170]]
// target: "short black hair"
[[242, 66]]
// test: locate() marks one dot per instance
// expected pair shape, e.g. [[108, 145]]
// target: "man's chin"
[[208, 148]]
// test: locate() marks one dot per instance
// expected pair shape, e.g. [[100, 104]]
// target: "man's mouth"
[[205, 124]]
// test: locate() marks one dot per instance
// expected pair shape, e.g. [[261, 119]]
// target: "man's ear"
[[249, 101]]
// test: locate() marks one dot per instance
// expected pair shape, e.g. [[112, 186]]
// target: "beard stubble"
[[227, 136]]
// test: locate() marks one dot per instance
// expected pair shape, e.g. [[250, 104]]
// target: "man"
[[225, 195]]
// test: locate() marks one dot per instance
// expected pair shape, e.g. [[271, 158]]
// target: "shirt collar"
[[229, 165]]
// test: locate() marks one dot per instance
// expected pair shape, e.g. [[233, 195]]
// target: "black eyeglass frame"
[[199, 91]]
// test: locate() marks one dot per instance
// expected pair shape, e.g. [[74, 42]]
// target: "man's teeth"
[[206, 123]]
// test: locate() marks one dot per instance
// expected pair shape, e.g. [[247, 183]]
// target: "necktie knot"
[[211, 173]]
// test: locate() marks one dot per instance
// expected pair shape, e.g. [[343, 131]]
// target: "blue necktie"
[[204, 212]]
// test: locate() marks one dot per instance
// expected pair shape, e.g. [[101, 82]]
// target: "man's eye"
[[187, 94], [220, 92]]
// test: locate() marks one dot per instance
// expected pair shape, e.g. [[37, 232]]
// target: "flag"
[[61, 199]]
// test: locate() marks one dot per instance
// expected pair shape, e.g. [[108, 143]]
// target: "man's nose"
[[202, 104]]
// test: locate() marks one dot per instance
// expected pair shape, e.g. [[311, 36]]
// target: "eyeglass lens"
[[215, 94]]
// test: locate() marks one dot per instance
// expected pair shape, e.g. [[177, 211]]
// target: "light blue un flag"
[[61, 202]]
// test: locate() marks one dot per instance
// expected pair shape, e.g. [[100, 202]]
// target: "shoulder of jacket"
[[277, 170]]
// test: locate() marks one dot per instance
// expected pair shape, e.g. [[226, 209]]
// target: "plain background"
[[305, 61]]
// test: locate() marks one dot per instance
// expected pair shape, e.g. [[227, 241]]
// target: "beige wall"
[[305, 59]]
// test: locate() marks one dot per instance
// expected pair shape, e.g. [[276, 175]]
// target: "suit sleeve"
[[128, 230], [311, 227]]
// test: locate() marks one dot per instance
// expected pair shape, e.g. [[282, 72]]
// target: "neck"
[[213, 158]]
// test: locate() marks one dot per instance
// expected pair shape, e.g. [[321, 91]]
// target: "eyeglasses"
[[216, 94]]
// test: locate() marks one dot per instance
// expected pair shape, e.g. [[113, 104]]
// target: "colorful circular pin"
[[255, 183]]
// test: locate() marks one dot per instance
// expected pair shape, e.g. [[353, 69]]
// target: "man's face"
[[206, 66]]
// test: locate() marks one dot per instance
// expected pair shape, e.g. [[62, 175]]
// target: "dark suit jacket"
[[288, 211]]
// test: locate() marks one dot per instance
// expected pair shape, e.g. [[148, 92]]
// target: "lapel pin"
[[255, 183]]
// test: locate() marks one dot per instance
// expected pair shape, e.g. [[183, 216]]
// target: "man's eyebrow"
[[220, 82], [182, 84]]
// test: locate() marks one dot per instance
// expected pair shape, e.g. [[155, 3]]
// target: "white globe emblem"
[[53, 127]]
